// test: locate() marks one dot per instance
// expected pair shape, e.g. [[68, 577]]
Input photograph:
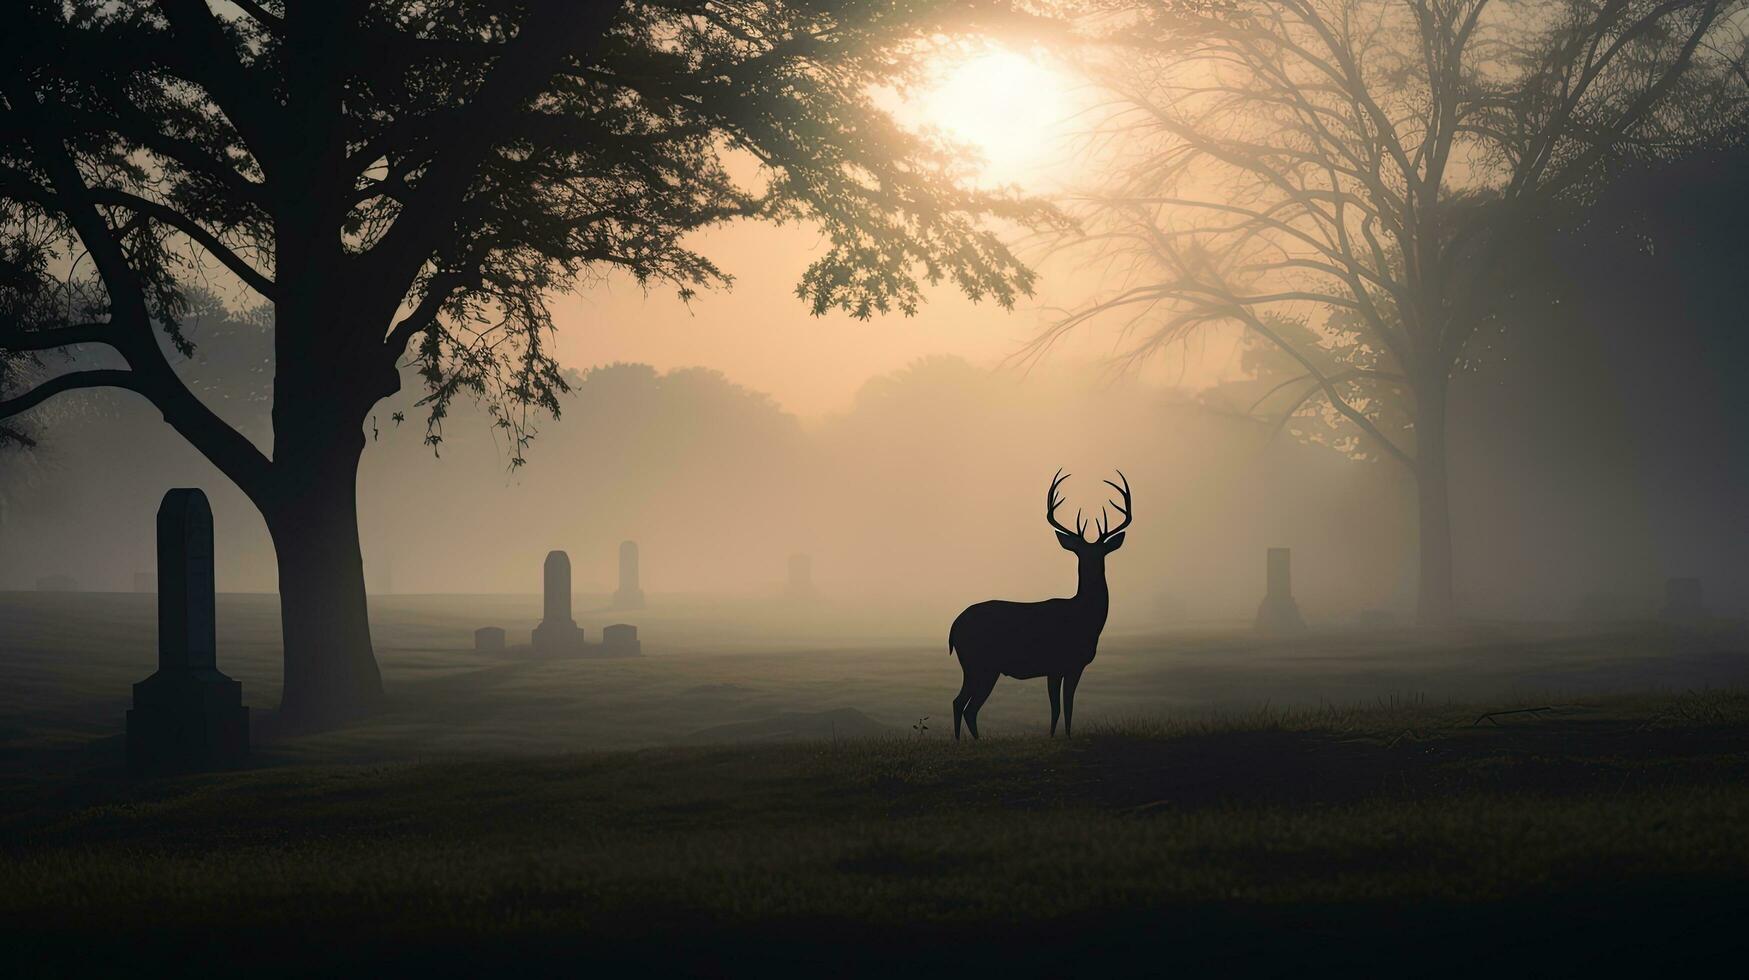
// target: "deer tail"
[[951, 630]]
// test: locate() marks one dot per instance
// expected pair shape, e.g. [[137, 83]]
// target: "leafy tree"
[[1355, 182], [404, 179]]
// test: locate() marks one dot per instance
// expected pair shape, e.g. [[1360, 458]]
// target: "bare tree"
[[1349, 180]]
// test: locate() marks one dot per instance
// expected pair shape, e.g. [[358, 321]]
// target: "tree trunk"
[[1434, 604], [330, 668]]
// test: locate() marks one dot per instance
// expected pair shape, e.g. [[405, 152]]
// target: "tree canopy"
[[474, 158], [411, 179]]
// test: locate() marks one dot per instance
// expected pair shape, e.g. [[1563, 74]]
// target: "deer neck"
[[1090, 583]]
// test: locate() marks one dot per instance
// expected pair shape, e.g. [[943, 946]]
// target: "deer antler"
[[1052, 502], [1105, 532]]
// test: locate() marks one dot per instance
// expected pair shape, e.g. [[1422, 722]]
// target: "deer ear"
[[1070, 542], [1114, 542]]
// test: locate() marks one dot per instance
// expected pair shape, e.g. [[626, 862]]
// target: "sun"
[[1010, 107]]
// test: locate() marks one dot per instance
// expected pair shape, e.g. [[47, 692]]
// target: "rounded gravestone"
[[630, 594], [620, 640], [557, 634]]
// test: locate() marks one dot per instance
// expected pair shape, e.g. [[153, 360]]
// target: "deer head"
[[1107, 539]]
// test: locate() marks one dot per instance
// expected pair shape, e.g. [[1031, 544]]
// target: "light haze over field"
[[909, 455]]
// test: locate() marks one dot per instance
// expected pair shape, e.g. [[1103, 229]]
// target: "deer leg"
[[1069, 683], [959, 704], [981, 689], [1054, 685]]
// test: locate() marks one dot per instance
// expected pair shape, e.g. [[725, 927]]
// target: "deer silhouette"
[[1055, 639]]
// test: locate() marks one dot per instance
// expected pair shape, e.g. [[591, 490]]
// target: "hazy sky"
[[1019, 113]]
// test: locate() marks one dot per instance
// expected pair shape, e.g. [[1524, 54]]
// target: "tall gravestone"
[[801, 577], [188, 715], [558, 635], [630, 594], [1279, 613]]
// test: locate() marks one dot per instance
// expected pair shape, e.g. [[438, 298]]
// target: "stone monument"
[[801, 577], [489, 639], [1279, 613], [1683, 601], [620, 640], [630, 595], [188, 715], [558, 635]]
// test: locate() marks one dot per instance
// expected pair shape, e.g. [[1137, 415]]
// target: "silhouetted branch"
[[260, 13], [251, 276], [75, 381], [14, 339]]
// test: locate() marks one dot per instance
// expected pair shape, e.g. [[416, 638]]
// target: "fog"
[[1597, 436], [1582, 488]]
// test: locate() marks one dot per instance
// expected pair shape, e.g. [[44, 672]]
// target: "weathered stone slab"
[[630, 594], [558, 635], [1279, 613], [187, 715], [620, 640]]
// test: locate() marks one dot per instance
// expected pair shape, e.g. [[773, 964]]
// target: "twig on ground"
[[1490, 716], [1408, 733]]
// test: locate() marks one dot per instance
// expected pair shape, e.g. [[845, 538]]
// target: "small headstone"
[[620, 640], [801, 577], [489, 639], [1279, 613], [558, 635], [145, 582], [57, 583], [630, 594], [188, 715], [1683, 601]]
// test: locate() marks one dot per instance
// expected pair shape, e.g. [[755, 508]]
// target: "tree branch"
[[210, 60], [251, 276], [14, 339], [75, 381]]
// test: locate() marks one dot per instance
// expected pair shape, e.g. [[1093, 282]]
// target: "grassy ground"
[[1587, 834], [744, 670], [1409, 834]]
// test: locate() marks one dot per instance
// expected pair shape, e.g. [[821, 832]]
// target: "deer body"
[[1055, 639]]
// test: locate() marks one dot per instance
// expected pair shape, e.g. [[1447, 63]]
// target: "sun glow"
[[1012, 109]]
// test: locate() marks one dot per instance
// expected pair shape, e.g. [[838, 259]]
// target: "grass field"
[[750, 797]]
